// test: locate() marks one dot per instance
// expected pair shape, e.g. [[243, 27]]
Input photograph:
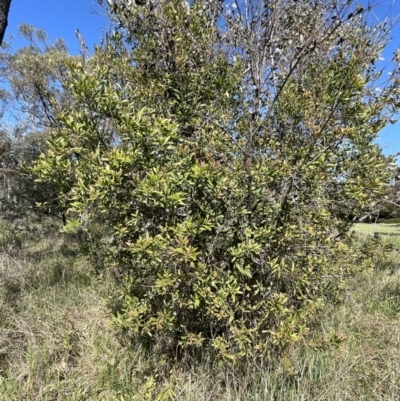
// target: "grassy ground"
[[57, 343], [388, 229]]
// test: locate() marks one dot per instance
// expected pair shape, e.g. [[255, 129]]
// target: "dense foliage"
[[220, 148]]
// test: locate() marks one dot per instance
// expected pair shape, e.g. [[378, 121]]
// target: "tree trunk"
[[4, 9]]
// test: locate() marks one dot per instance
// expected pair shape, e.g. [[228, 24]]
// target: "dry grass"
[[57, 343]]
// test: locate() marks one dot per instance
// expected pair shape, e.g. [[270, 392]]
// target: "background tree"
[[389, 205], [34, 75], [217, 145]]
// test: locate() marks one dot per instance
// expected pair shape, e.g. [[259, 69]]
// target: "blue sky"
[[61, 18]]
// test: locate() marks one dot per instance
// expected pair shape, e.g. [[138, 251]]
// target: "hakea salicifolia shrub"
[[226, 151]]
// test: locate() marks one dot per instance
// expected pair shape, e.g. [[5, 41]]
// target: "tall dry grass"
[[57, 340]]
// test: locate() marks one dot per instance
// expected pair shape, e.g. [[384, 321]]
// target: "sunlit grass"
[[364, 228]]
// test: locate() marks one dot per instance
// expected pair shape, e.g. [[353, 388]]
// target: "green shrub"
[[219, 202]]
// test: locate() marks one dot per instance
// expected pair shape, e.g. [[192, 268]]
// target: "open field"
[[57, 341], [390, 229]]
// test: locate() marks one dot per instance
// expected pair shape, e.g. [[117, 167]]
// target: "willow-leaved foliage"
[[224, 173]]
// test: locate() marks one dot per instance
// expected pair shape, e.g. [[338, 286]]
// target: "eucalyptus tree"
[[218, 143], [34, 74], [33, 96]]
